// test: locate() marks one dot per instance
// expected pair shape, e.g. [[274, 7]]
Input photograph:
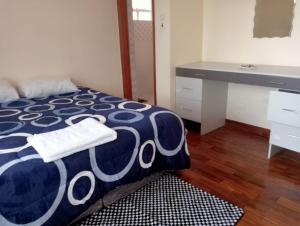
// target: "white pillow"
[[46, 87], [7, 92]]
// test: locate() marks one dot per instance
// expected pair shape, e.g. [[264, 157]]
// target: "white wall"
[[163, 52], [179, 41], [227, 37], [78, 38], [186, 35]]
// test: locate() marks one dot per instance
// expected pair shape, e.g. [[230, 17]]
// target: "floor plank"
[[232, 164]]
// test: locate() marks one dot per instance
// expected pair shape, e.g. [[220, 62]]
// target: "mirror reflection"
[[273, 18]]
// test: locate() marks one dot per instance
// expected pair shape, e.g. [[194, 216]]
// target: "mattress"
[[150, 140]]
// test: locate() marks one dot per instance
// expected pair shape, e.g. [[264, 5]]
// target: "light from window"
[[142, 4], [145, 16], [135, 15], [142, 10]]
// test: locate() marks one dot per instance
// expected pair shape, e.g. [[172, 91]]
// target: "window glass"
[[142, 10], [134, 15], [142, 4], [145, 16]]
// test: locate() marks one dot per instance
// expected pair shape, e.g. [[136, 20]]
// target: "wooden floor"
[[231, 163]]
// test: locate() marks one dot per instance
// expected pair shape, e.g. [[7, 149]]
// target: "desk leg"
[[214, 104], [273, 150]]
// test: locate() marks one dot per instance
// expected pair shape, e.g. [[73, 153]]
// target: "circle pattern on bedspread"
[[137, 116], [114, 177], [61, 101], [9, 112], [67, 94], [142, 163], [98, 107], [70, 120], [30, 116], [160, 148], [61, 190], [85, 96], [50, 121], [84, 103], [19, 142], [21, 103], [10, 127], [111, 99], [69, 111], [40, 98], [93, 92], [39, 108], [91, 177], [137, 106]]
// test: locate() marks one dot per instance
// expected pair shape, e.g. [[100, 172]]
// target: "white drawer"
[[189, 109], [190, 88], [284, 108], [285, 136]]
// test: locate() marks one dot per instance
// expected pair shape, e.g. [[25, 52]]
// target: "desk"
[[216, 77]]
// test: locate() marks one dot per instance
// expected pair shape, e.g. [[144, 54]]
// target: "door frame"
[[125, 49]]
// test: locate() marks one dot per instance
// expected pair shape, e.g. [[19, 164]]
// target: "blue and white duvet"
[[150, 139]]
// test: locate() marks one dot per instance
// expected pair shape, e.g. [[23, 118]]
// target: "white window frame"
[[138, 11]]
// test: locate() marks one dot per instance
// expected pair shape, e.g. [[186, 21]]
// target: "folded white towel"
[[64, 142]]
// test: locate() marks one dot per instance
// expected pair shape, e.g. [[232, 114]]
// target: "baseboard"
[[248, 128]]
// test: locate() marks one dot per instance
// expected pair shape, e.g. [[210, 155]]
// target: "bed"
[[150, 140]]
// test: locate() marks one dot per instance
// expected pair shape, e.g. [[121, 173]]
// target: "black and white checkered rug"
[[167, 201]]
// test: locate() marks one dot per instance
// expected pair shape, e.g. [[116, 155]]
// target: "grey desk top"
[[281, 71], [284, 77]]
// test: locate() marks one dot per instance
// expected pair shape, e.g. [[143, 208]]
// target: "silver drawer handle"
[[187, 109], [276, 83], [290, 110], [187, 88], [201, 75], [293, 136]]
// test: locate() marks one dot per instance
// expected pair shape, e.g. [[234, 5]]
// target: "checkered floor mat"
[[167, 201]]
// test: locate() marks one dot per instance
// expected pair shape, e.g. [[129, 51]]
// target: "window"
[[142, 10]]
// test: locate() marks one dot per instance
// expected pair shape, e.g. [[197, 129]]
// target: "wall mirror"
[[273, 18]]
